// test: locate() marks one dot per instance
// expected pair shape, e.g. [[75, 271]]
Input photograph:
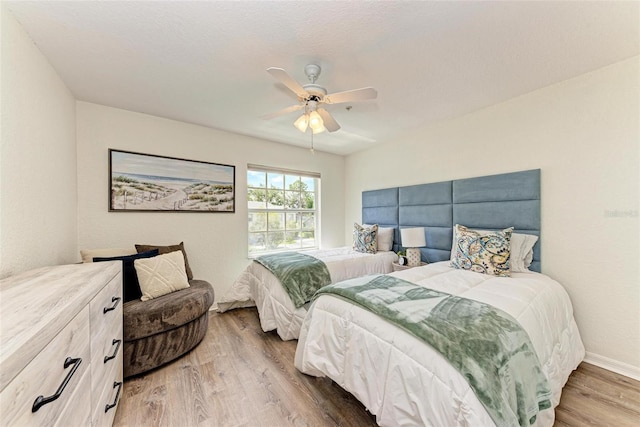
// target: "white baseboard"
[[613, 365]]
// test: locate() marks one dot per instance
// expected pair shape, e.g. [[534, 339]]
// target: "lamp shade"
[[315, 122], [413, 237], [302, 122]]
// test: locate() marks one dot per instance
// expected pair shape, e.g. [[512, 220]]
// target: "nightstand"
[[398, 267]]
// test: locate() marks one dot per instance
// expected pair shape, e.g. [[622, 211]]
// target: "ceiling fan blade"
[[361, 94], [282, 112], [283, 77], [329, 122]]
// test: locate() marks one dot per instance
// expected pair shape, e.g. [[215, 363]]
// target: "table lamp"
[[412, 239]]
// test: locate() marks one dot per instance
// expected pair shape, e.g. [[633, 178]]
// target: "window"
[[283, 211]]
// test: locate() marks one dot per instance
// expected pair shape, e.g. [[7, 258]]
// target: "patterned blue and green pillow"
[[482, 253], [365, 238]]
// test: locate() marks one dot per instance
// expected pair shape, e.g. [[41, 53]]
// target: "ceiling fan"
[[312, 97]]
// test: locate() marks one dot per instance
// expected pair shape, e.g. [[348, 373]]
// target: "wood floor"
[[240, 376]]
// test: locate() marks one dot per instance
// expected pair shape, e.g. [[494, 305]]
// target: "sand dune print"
[[160, 192], [170, 195]]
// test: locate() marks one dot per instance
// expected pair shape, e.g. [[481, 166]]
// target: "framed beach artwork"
[[145, 182]]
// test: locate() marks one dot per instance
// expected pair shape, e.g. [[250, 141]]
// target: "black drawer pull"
[[41, 400], [115, 301], [115, 401], [115, 352]]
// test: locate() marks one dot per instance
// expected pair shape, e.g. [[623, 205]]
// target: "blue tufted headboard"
[[381, 207], [490, 202]]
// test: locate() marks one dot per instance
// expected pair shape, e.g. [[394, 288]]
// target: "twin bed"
[[456, 373], [404, 381], [258, 286]]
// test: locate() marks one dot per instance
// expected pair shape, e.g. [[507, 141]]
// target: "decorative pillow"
[[384, 238], [488, 254], [89, 254], [165, 250], [161, 275], [130, 286], [521, 250], [365, 238]]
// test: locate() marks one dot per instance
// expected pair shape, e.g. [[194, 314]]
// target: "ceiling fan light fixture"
[[315, 122], [302, 123], [312, 97]]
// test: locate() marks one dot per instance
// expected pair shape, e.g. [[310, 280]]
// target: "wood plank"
[[597, 397], [240, 376]]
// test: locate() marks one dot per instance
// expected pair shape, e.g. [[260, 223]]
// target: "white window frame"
[[282, 210]]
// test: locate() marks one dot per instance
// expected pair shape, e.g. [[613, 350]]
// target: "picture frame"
[[140, 182]]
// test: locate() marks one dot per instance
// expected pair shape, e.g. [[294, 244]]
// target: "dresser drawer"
[[104, 375], [78, 409], [46, 374], [105, 408], [106, 313]]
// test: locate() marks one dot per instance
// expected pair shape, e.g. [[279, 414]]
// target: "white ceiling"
[[205, 62]]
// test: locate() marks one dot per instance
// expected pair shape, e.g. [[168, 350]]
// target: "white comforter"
[[404, 381], [258, 286]]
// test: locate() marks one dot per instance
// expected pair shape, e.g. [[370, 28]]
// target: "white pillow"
[[521, 250], [161, 275], [385, 237], [89, 254]]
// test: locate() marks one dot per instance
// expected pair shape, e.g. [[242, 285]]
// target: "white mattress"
[[258, 286], [404, 381]]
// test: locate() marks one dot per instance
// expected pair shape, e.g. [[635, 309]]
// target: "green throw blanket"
[[301, 275], [486, 345]]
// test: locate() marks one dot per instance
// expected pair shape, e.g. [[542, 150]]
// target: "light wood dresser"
[[60, 345]]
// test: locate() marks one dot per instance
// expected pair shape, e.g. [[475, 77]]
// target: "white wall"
[[216, 243], [584, 135], [38, 197]]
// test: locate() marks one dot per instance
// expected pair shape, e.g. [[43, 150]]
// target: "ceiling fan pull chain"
[[312, 150]]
